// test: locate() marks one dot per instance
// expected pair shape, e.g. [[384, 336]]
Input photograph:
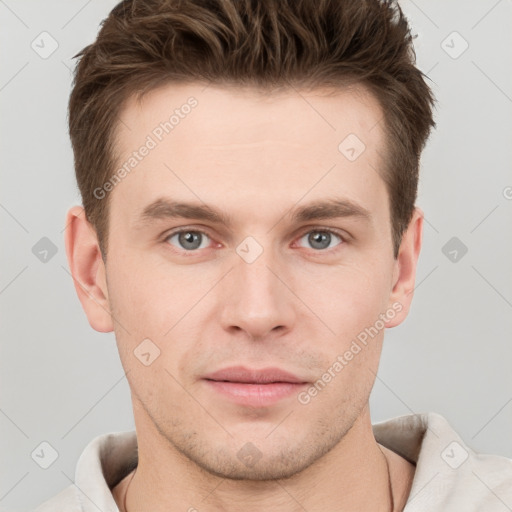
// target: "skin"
[[298, 307]]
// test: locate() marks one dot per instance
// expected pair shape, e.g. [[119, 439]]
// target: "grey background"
[[62, 382]]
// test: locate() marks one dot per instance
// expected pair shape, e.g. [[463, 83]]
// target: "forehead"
[[241, 142], [244, 112]]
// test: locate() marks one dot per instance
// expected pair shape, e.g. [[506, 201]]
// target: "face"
[[250, 235]]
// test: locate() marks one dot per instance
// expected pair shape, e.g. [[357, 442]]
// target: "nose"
[[257, 299]]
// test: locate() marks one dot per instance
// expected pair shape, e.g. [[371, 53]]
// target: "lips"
[[244, 375], [253, 388]]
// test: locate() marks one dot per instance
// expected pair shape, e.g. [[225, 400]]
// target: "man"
[[249, 171]]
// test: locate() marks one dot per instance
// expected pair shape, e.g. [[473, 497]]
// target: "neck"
[[353, 476]]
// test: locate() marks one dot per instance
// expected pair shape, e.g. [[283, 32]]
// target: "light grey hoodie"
[[449, 476]]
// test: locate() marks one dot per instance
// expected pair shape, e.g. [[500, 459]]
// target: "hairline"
[[349, 83]]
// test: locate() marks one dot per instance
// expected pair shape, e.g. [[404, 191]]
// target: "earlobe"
[[88, 269], [404, 275]]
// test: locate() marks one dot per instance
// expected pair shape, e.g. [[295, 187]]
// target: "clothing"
[[449, 476]]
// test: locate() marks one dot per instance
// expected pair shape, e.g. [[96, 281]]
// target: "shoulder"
[[65, 501], [452, 476], [103, 463]]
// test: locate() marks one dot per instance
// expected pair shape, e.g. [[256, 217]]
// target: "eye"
[[188, 239], [321, 238]]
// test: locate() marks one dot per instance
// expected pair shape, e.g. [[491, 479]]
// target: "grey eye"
[[320, 239], [189, 240]]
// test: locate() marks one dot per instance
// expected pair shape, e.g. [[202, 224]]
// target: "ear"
[[87, 269], [404, 274]]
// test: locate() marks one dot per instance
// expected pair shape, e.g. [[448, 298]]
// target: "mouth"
[[255, 388]]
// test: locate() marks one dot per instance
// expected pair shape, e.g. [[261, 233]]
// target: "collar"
[[449, 475]]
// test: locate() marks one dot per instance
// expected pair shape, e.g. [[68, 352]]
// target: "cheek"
[[351, 307], [156, 302], [347, 297], [152, 296]]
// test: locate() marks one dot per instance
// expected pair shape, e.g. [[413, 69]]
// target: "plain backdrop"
[[62, 383]]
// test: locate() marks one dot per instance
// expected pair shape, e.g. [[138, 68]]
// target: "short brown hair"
[[266, 44]]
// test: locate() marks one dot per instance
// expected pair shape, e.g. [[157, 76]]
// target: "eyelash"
[[343, 238]]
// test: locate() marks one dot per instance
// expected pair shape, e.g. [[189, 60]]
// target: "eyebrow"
[[331, 208]]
